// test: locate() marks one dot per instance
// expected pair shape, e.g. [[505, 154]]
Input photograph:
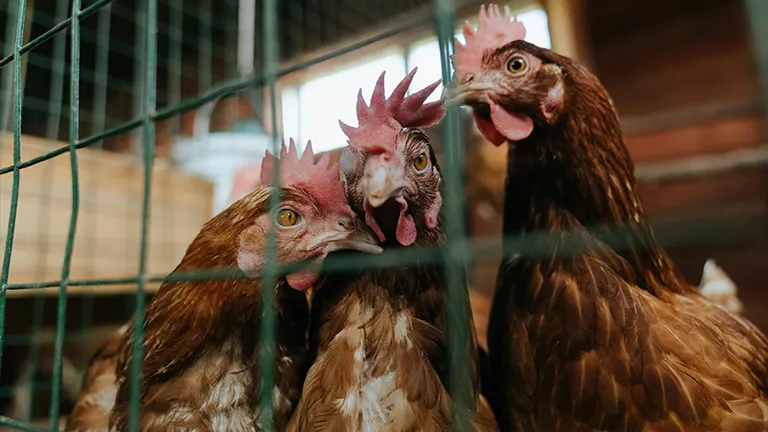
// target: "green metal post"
[[17, 99], [74, 135], [459, 340], [7, 75], [267, 330], [52, 133], [148, 107], [758, 18]]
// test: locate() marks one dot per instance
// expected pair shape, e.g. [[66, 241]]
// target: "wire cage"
[[95, 209]]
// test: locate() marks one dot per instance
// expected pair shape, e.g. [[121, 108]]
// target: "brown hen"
[[601, 333], [200, 356], [379, 334]]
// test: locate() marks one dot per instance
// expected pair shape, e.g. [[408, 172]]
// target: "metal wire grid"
[[455, 252], [45, 109], [149, 116]]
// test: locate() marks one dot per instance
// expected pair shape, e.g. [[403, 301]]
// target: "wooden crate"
[[108, 235]]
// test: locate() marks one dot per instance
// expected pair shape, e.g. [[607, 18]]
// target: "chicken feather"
[[604, 333], [200, 363], [380, 335]]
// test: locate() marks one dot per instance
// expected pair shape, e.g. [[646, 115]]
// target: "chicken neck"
[[581, 166]]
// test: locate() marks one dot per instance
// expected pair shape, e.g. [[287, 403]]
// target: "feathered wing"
[[597, 352], [97, 397]]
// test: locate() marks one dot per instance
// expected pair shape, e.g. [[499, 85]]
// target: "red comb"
[[295, 170], [379, 123], [494, 30]]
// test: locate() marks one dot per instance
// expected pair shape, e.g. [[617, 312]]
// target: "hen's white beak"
[[351, 235], [384, 178], [466, 91]]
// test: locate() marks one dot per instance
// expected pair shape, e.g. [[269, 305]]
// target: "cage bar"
[[74, 118], [233, 87], [455, 260], [148, 106], [267, 344], [17, 100], [53, 31], [52, 132]]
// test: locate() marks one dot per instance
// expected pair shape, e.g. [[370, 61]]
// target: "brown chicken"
[[200, 355], [379, 334], [601, 333]]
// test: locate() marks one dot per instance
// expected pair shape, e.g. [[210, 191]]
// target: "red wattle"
[[406, 227], [301, 281]]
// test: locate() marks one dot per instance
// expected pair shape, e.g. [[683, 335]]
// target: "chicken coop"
[[125, 125]]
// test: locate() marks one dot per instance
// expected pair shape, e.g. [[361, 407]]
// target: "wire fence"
[[158, 94], [149, 115]]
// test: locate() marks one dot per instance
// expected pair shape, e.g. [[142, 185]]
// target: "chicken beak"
[[354, 236], [384, 178], [465, 91], [453, 93]]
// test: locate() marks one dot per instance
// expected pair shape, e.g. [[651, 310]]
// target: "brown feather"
[[97, 396], [613, 335], [200, 357], [379, 336]]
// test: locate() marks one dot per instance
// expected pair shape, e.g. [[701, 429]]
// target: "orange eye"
[[421, 161], [287, 217], [517, 65]]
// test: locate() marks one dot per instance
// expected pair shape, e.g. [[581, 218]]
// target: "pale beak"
[[383, 181], [352, 235], [465, 92]]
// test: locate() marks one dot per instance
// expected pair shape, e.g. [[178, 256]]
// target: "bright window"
[[323, 101], [312, 110]]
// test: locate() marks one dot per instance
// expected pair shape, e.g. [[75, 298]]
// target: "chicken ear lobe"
[[250, 262], [250, 256], [433, 212]]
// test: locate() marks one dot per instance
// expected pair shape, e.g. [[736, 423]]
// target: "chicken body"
[[200, 368], [380, 361], [595, 336], [379, 335]]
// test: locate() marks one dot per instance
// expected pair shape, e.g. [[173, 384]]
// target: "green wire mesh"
[[67, 18], [158, 94]]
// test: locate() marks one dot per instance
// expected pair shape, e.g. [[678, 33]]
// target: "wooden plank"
[[696, 195], [716, 136], [656, 55], [107, 239]]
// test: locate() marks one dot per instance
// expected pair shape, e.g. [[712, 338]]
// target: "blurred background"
[[685, 76]]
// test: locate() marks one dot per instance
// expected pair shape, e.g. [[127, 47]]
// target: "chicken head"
[[313, 219], [510, 84], [390, 167]]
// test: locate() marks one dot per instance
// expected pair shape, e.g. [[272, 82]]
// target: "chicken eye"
[[420, 163], [517, 65], [287, 217]]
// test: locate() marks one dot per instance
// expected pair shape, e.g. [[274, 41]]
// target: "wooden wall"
[[661, 55]]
